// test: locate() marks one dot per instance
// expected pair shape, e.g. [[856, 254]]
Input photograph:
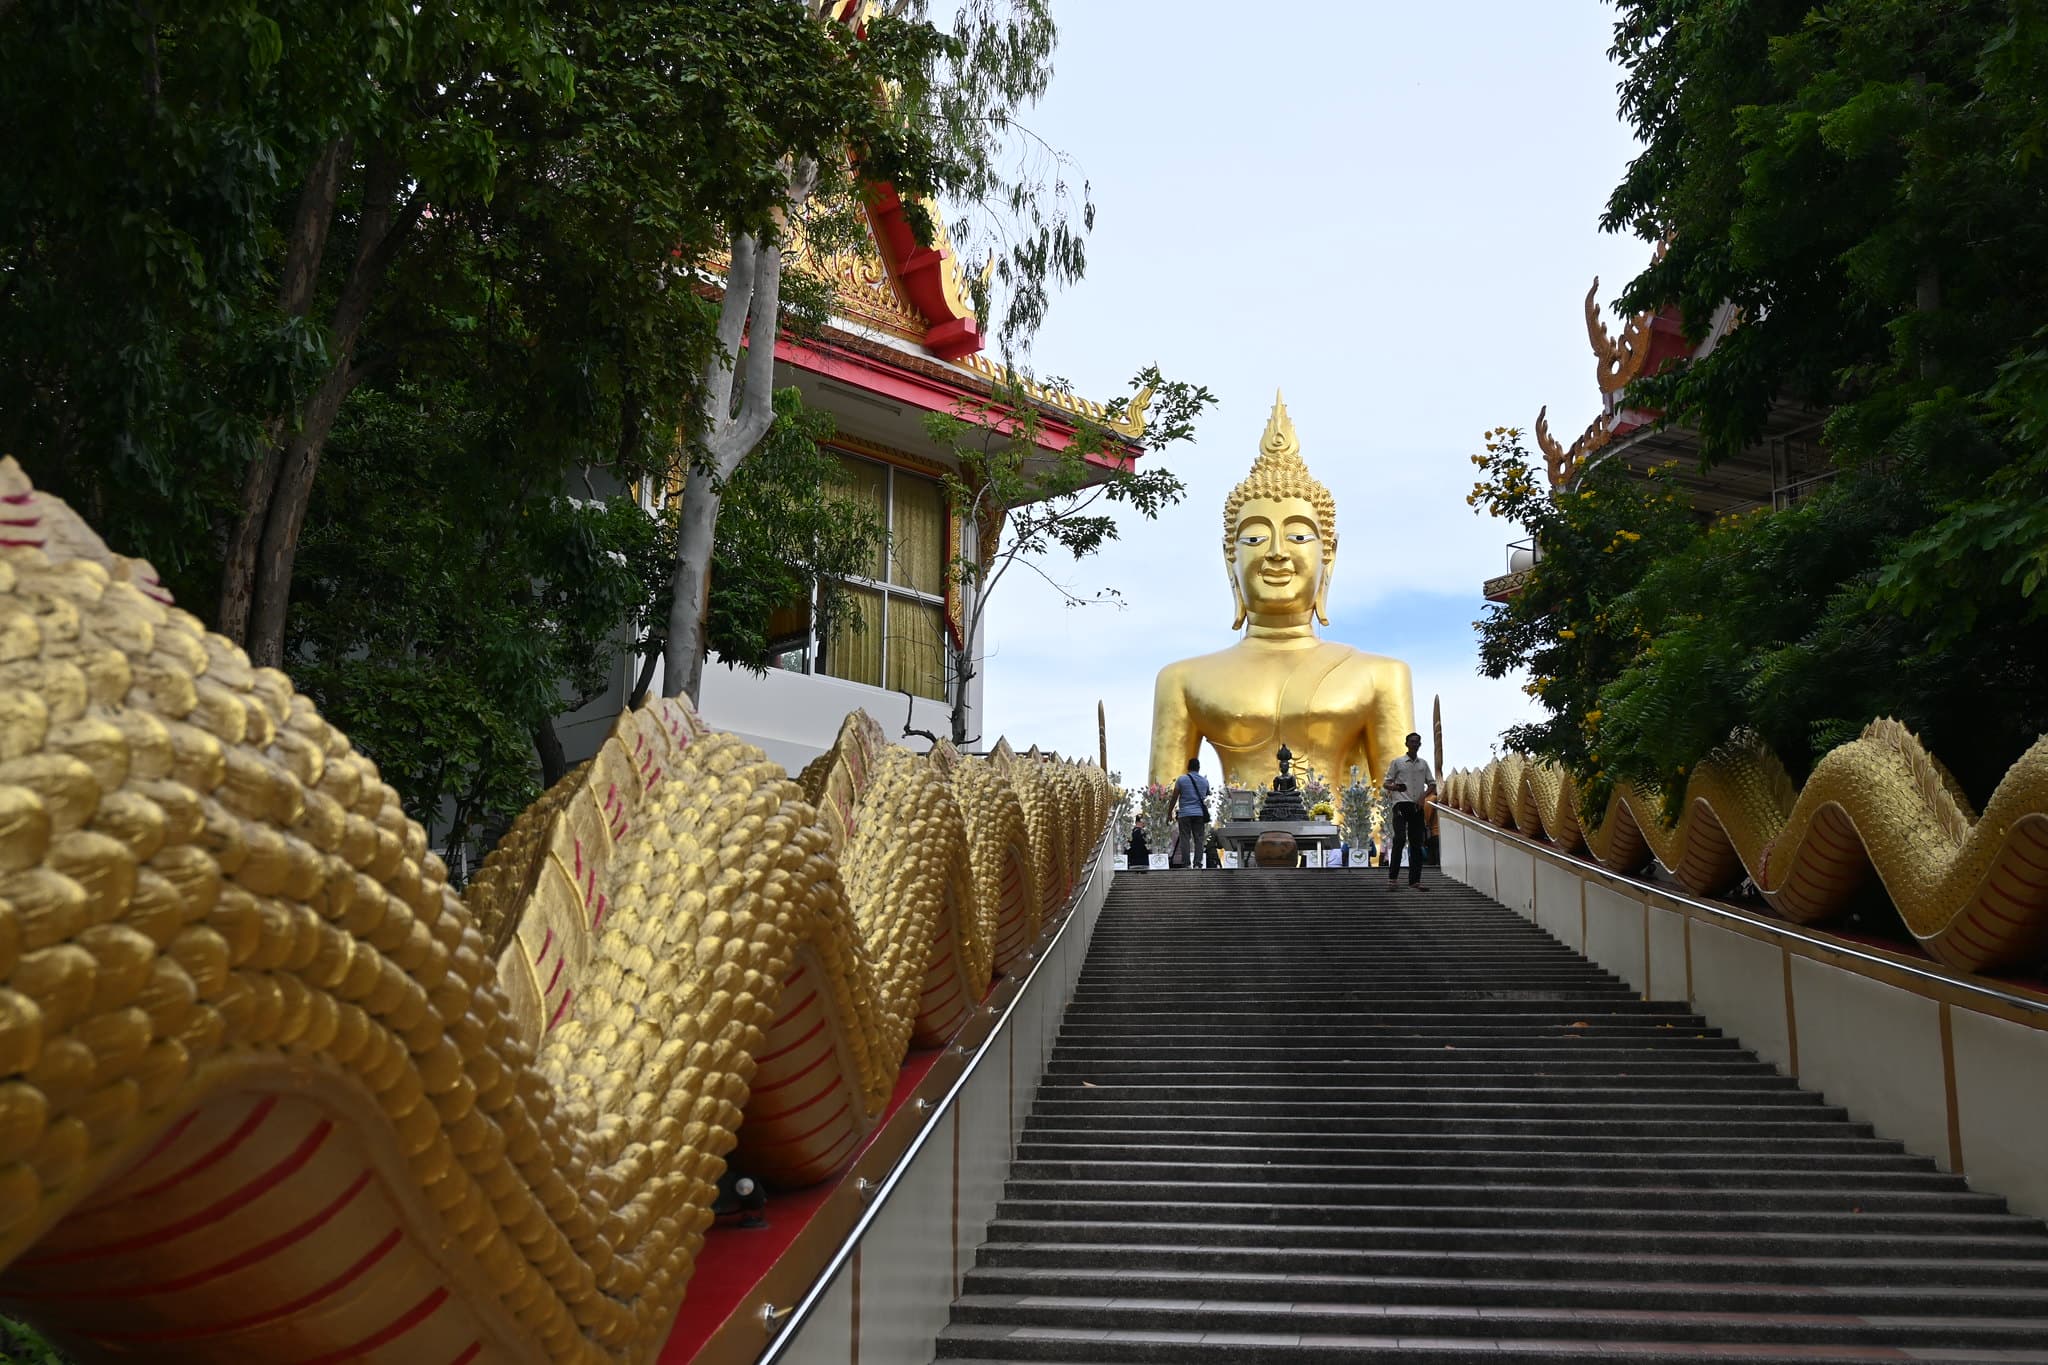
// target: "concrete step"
[[1298, 1117]]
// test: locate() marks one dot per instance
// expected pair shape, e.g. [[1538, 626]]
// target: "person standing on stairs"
[[1408, 782], [1191, 804]]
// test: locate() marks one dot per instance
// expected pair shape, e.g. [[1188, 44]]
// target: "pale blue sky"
[[1389, 210]]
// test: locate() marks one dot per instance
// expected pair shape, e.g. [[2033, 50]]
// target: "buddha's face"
[[1279, 557]]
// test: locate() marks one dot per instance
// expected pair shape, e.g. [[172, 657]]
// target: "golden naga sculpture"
[[270, 1091], [1973, 889], [1334, 706]]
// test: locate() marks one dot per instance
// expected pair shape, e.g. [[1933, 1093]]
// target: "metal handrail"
[[792, 1320], [1796, 933]]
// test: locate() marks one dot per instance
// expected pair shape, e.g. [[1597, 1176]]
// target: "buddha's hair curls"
[[1279, 473]]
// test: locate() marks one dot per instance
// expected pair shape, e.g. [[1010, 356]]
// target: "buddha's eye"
[[1301, 537], [1251, 540]]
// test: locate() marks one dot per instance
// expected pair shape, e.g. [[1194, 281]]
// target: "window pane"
[[866, 483], [856, 655], [917, 551], [917, 656]]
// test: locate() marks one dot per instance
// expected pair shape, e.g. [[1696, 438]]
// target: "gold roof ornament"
[[1562, 465], [1279, 473], [1618, 360]]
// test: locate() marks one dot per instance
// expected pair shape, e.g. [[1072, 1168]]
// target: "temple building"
[[1784, 464], [903, 342]]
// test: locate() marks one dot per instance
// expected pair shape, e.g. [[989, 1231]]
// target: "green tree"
[[1572, 625], [1864, 182], [1025, 505], [940, 125], [444, 631]]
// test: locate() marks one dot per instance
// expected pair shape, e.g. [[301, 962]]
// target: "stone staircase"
[[1299, 1117]]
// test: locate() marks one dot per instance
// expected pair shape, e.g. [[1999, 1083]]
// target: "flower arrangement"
[[1322, 810], [1365, 814], [1156, 803]]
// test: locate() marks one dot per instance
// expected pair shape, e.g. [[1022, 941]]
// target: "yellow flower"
[[1567, 634], [1629, 535], [1593, 717]]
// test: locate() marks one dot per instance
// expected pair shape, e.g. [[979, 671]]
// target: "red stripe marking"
[[783, 1051], [17, 498], [604, 903], [932, 1010], [813, 1065], [405, 1322], [2017, 850], [261, 1251], [1992, 888], [560, 1010], [213, 1212], [475, 1349], [579, 857], [800, 1137], [794, 977], [938, 965], [1961, 929], [545, 944], [226, 1146], [22, 544], [2027, 882], [156, 1149], [554, 980], [831, 1084]]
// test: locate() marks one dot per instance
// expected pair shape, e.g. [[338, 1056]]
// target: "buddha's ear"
[[1323, 592], [1236, 596]]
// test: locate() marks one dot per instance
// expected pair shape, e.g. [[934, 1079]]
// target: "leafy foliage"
[[1864, 183], [786, 535], [443, 630], [1026, 503], [1572, 625], [21, 1344], [471, 242]]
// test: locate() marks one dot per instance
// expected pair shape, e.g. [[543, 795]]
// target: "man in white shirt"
[[1408, 782]]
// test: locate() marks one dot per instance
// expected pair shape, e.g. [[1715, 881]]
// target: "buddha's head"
[[1280, 533]]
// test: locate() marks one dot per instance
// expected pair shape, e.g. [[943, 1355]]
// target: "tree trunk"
[[554, 766], [306, 246], [963, 672], [682, 673], [646, 679], [752, 308], [384, 223]]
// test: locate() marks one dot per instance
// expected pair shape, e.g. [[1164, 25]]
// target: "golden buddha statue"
[[1336, 707]]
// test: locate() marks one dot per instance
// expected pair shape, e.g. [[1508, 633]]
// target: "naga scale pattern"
[[1972, 888], [269, 1090]]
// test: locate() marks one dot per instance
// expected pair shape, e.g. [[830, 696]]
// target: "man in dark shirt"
[[1191, 804]]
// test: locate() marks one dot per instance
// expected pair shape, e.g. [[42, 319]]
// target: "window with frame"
[[899, 604]]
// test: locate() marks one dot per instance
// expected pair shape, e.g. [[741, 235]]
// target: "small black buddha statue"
[[1283, 802]]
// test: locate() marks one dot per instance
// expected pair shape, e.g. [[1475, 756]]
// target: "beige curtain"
[[856, 655], [918, 548], [866, 484], [917, 656]]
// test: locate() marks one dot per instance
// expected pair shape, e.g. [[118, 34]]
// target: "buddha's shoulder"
[[1182, 671], [1347, 658]]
